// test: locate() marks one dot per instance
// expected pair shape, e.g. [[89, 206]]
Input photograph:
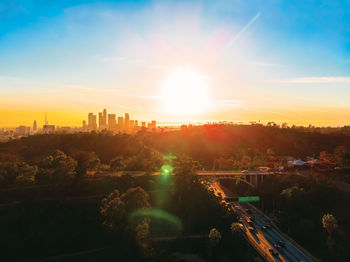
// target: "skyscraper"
[[104, 122], [126, 121], [154, 123], [112, 123], [100, 121], [120, 122], [35, 127], [92, 123]]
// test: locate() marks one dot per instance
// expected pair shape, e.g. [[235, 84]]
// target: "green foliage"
[[117, 210], [293, 195], [86, 161], [8, 171], [329, 222], [135, 198], [214, 236], [143, 235], [342, 155], [235, 228], [26, 173], [117, 163], [113, 211], [58, 168]]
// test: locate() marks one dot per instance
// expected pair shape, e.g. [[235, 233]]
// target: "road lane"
[[262, 240]]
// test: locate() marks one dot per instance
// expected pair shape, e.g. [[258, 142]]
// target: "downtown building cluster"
[[112, 123]]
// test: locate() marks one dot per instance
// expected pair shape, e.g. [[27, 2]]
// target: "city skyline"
[[175, 61]]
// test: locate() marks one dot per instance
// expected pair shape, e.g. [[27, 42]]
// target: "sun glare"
[[185, 92]]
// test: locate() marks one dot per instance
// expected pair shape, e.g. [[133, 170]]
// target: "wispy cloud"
[[113, 59], [261, 63], [229, 103], [136, 62], [243, 30], [318, 80]]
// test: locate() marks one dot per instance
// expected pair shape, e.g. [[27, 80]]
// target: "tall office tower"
[[126, 121], [84, 124], [131, 123], [120, 122], [104, 118], [136, 124], [35, 127], [100, 121], [144, 124], [154, 123], [112, 123], [92, 124]]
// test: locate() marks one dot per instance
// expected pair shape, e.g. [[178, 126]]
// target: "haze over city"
[[175, 61]]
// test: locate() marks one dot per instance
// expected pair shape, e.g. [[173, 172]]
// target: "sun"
[[185, 92]]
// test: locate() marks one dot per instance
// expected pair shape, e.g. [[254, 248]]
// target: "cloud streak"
[[318, 80], [243, 30]]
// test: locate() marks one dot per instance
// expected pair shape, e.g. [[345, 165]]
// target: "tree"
[[8, 171], [135, 198], [142, 233], [86, 161], [58, 168], [329, 222], [292, 201], [26, 173], [116, 208], [214, 236], [117, 163], [224, 164], [342, 155], [185, 177], [113, 212], [235, 228], [245, 162]]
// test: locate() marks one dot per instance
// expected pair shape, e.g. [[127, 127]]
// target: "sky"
[[282, 61]]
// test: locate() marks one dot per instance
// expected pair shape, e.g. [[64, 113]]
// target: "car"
[[273, 252], [229, 199], [251, 229], [263, 228], [277, 246], [268, 226], [242, 227], [251, 218], [281, 243]]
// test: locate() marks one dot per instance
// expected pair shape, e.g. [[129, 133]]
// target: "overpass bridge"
[[252, 178]]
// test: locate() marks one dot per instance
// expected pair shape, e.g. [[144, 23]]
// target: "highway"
[[261, 232]]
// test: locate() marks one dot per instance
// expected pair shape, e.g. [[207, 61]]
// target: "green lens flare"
[[160, 218], [166, 170]]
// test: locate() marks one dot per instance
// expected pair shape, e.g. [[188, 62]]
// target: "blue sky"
[[266, 57]]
